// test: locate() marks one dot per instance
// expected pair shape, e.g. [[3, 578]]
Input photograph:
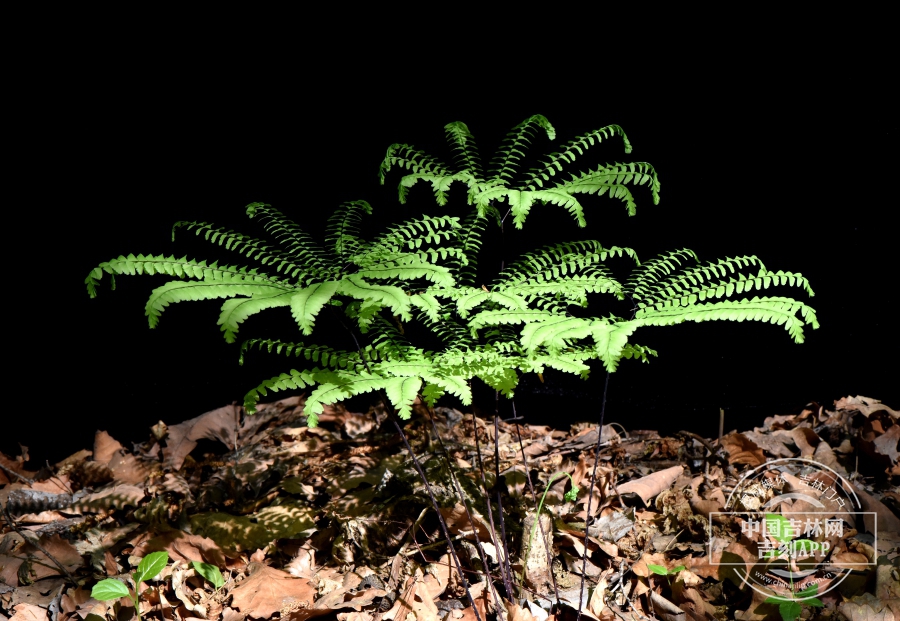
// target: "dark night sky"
[[783, 164]]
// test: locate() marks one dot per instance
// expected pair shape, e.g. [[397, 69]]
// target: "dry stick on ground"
[[714, 453], [587, 517], [465, 505], [534, 500], [34, 540], [16, 474]]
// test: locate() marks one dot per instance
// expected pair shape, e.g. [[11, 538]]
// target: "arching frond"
[[235, 311], [320, 354], [192, 291], [296, 242], [307, 302], [512, 150], [131, 265], [342, 232], [251, 248], [462, 142], [574, 148], [286, 381], [775, 310]]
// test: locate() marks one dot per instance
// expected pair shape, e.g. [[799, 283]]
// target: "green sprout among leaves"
[[570, 496], [148, 569], [790, 608], [780, 528], [662, 571], [210, 572]]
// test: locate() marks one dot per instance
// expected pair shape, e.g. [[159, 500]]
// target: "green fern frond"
[[413, 233], [642, 280], [320, 354], [235, 311], [775, 310], [447, 329], [343, 229], [402, 393], [170, 266], [249, 247], [409, 158], [469, 239], [472, 297], [385, 295], [296, 242], [462, 142], [493, 318], [427, 304], [570, 153], [611, 179], [511, 151], [555, 333], [191, 291], [306, 303], [408, 268], [557, 260], [286, 381]]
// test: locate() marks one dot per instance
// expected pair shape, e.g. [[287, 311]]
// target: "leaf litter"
[[334, 521]]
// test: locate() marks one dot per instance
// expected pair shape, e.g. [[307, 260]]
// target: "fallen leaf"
[[220, 424], [267, 591], [649, 486]]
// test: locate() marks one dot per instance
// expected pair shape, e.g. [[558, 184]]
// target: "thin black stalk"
[[393, 416], [535, 501], [437, 508], [587, 521], [487, 495], [465, 504], [506, 569]]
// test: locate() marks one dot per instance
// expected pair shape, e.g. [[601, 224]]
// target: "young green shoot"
[[570, 496], [148, 569]]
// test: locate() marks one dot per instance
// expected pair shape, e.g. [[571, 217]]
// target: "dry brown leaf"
[[649, 486], [416, 600], [886, 443], [867, 607], [220, 424], [105, 446], [111, 497], [458, 521], [267, 591], [183, 546], [742, 450], [29, 612], [865, 406]]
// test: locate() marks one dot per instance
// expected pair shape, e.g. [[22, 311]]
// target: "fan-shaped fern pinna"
[[529, 318]]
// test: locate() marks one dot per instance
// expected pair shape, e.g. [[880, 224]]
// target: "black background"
[[788, 159]]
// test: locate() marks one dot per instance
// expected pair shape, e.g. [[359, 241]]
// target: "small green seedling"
[[790, 608], [570, 496], [148, 569], [210, 572], [662, 571]]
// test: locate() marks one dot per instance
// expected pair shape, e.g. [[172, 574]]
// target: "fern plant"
[[530, 317]]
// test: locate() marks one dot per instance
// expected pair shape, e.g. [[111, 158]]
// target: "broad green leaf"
[[658, 569], [109, 589], [779, 527], [210, 572], [790, 610], [150, 566]]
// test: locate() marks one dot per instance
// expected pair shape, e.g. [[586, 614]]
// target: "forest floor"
[[230, 517]]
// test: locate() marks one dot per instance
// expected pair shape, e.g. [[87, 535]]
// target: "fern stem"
[[587, 520], [505, 568], [464, 502], [434, 503]]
